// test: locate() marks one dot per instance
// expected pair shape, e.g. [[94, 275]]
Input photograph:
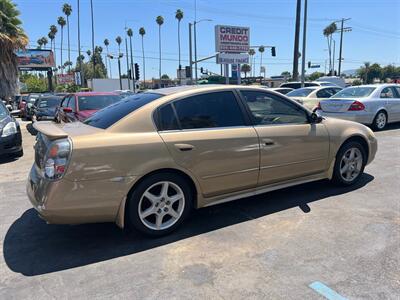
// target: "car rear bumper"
[[356, 116], [70, 202]]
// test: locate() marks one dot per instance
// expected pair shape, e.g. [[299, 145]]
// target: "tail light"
[[57, 158], [356, 106]]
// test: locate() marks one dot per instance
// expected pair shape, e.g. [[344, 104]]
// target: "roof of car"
[[94, 93]]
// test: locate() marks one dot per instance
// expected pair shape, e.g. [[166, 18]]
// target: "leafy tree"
[[390, 71], [287, 74], [252, 52], [35, 84], [165, 76], [315, 75], [370, 72], [12, 37], [356, 82], [245, 68]]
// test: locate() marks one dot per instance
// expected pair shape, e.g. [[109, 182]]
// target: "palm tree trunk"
[[69, 46], [159, 48], [132, 69], [144, 65], [179, 50], [329, 54], [62, 37], [260, 63]]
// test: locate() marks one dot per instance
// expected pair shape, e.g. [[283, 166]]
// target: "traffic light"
[[188, 72], [137, 73], [273, 51], [309, 64]]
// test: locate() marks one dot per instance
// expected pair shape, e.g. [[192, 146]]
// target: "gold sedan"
[[148, 160]]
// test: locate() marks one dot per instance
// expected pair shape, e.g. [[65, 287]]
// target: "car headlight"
[[9, 129]]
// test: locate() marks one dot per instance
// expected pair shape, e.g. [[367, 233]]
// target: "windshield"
[[304, 92], [96, 102], [3, 111], [49, 102], [355, 92], [108, 116]]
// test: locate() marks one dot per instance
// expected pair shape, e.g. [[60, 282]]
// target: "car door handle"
[[268, 142], [184, 147]]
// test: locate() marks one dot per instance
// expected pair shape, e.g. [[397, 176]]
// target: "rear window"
[[355, 92], [300, 92], [49, 102], [96, 102], [106, 117]]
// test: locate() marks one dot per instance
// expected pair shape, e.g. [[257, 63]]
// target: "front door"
[[207, 134], [290, 146]]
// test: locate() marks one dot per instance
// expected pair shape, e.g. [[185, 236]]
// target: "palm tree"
[[252, 53], [119, 41], [179, 17], [328, 32], [89, 53], [142, 32], [245, 69], [54, 30], [44, 41], [12, 37], [40, 43], [107, 43], [61, 22], [261, 49], [130, 35], [67, 10], [51, 37], [160, 21]]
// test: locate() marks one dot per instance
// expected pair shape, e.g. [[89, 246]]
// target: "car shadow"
[[32, 247], [31, 129], [5, 159], [392, 126]]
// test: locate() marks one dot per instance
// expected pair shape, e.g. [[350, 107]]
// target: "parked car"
[[124, 93], [147, 160], [80, 106], [45, 108], [297, 85], [310, 96], [27, 111], [375, 105], [339, 81], [10, 134], [282, 91]]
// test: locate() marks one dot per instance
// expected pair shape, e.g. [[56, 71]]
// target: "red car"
[[80, 106]]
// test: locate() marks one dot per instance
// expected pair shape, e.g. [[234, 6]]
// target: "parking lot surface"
[[273, 246]]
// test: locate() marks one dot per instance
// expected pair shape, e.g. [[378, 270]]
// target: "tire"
[[149, 203], [355, 167], [380, 121], [20, 153]]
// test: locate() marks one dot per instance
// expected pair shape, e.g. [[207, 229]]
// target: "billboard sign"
[[232, 58], [66, 78], [35, 59], [234, 39]]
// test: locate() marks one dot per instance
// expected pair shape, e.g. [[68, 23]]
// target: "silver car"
[[375, 105]]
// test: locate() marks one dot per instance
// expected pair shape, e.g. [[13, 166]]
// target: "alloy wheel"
[[380, 120], [161, 205], [351, 164]]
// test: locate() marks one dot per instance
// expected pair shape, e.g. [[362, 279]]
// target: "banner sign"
[[35, 59], [232, 39], [232, 58], [65, 78]]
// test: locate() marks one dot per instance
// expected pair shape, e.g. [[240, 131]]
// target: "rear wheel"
[[380, 120], [159, 204], [349, 164]]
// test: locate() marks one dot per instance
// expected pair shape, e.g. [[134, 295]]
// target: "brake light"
[[57, 158], [356, 106]]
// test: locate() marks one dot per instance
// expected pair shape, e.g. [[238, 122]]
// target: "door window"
[[65, 102], [218, 109], [398, 91], [72, 103], [387, 92], [324, 93], [167, 119], [269, 109]]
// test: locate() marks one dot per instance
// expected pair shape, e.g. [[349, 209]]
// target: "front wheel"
[[349, 164], [159, 204]]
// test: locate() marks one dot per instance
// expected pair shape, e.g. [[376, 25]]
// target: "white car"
[[375, 105], [297, 84], [311, 96]]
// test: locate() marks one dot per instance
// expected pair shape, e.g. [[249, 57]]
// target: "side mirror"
[[15, 113], [67, 109], [9, 107], [315, 118]]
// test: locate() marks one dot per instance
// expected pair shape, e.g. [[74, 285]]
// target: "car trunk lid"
[[336, 105]]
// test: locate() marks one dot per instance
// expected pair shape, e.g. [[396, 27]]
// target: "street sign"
[[77, 76], [315, 66], [232, 58], [234, 39], [65, 78], [235, 68]]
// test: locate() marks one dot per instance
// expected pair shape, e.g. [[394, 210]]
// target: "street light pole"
[[127, 61], [303, 54], [295, 72], [190, 54], [94, 57], [195, 51]]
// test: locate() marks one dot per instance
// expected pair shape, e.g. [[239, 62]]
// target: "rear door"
[[209, 135], [290, 147], [393, 102]]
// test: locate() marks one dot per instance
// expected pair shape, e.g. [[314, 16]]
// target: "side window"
[[218, 109], [387, 93], [65, 102], [324, 93], [269, 109], [398, 91], [72, 103], [167, 119]]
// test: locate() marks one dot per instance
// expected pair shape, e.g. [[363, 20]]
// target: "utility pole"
[[190, 54], [295, 72], [333, 58], [127, 61], [342, 29], [94, 57], [79, 45], [195, 51], [303, 54]]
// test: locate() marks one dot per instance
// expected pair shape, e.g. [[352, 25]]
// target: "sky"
[[375, 35]]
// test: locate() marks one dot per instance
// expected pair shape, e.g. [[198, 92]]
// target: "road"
[[272, 246]]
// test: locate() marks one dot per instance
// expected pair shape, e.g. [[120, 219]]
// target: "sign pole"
[[226, 74], [238, 75]]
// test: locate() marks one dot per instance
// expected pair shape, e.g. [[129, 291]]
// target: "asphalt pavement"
[[298, 243]]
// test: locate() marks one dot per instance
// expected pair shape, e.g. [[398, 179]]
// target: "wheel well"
[[383, 110], [362, 142], [166, 170]]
